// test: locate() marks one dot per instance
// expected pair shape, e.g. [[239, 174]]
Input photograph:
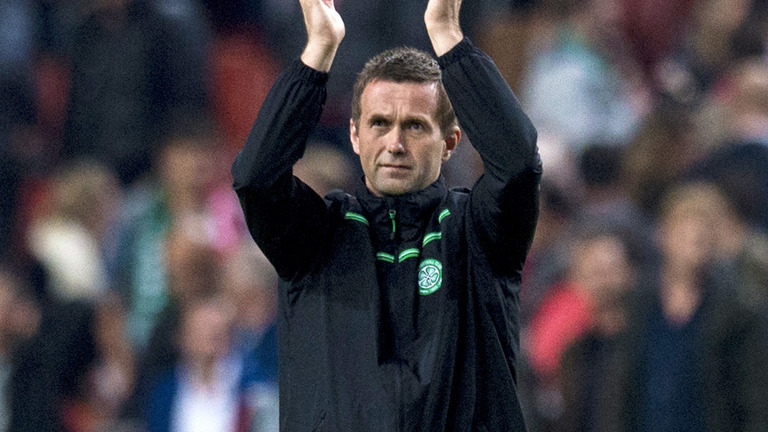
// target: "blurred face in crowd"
[[688, 240], [601, 266], [690, 224], [206, 330], [88, 193], [187, 168], [398, 137]]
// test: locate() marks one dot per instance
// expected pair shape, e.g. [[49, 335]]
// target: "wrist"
[[319, 56], [444, 37]]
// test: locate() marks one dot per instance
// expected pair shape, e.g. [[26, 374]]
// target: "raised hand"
[[325, 30], [442, 20]]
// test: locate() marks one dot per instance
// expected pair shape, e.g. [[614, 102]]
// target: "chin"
[[394, 189]]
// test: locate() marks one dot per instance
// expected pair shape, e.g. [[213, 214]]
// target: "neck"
[[203, 370], [680, 293]]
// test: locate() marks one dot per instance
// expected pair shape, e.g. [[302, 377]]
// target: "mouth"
[[394, 168]]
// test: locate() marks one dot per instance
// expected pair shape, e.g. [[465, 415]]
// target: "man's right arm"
[[281, 212], [284, 216]]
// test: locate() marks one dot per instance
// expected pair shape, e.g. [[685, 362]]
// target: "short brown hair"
[[405, 64]]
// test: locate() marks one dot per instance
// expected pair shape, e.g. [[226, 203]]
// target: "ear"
[[451, 141], [353, 137]]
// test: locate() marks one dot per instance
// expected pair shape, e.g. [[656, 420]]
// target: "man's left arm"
[[504, 201]]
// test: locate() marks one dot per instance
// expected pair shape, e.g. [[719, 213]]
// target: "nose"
[[395, 141]]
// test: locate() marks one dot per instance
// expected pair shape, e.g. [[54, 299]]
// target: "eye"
[[415, 126], [378, 122]]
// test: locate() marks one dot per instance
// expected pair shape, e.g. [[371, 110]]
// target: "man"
[[398, 305]]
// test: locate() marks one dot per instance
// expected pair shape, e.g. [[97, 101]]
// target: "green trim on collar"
[[356, 217], [443, 215]]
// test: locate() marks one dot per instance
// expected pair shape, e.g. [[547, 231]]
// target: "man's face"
[[398, 138], [688, 240]]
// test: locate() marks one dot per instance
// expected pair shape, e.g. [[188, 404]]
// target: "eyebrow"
[[409, 119]]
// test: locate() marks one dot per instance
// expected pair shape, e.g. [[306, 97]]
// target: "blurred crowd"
[[132, 298]]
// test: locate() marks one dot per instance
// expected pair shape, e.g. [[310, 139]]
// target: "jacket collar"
[[411, 211]]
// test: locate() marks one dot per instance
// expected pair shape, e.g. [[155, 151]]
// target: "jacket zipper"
[[392, 214]]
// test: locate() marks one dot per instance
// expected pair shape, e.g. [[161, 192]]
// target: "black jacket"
[[396, 313]]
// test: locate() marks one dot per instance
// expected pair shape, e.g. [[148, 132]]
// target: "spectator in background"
[[184, 183], [736, 162], [193, 268], [581, 85], [200, 392], [16, 53], [692, 357], [215, 344], [106, 383], [600, 273], [587, 374], [191, 21], [70, 366], [132, 74], [250, 284], [53, 367], [16, 49], [73, 241]]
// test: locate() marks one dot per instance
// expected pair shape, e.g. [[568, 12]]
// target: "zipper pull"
[[392, 214]]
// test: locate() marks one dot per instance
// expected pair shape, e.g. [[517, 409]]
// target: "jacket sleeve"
[[285, 217], [503, 205]]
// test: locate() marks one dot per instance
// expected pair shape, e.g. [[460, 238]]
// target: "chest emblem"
[[430, 276]]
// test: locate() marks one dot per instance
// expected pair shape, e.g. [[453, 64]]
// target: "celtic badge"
[[430, 276]]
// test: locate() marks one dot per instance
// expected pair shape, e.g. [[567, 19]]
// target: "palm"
[[336, 24], [324, 24], [442, 20], [442, 11]]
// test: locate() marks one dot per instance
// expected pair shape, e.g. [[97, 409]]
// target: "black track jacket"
[[396, 313]]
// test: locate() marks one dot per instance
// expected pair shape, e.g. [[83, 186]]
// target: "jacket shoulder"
[[341, 202]]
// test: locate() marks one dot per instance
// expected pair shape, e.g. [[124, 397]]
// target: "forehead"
[[388, 97]]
